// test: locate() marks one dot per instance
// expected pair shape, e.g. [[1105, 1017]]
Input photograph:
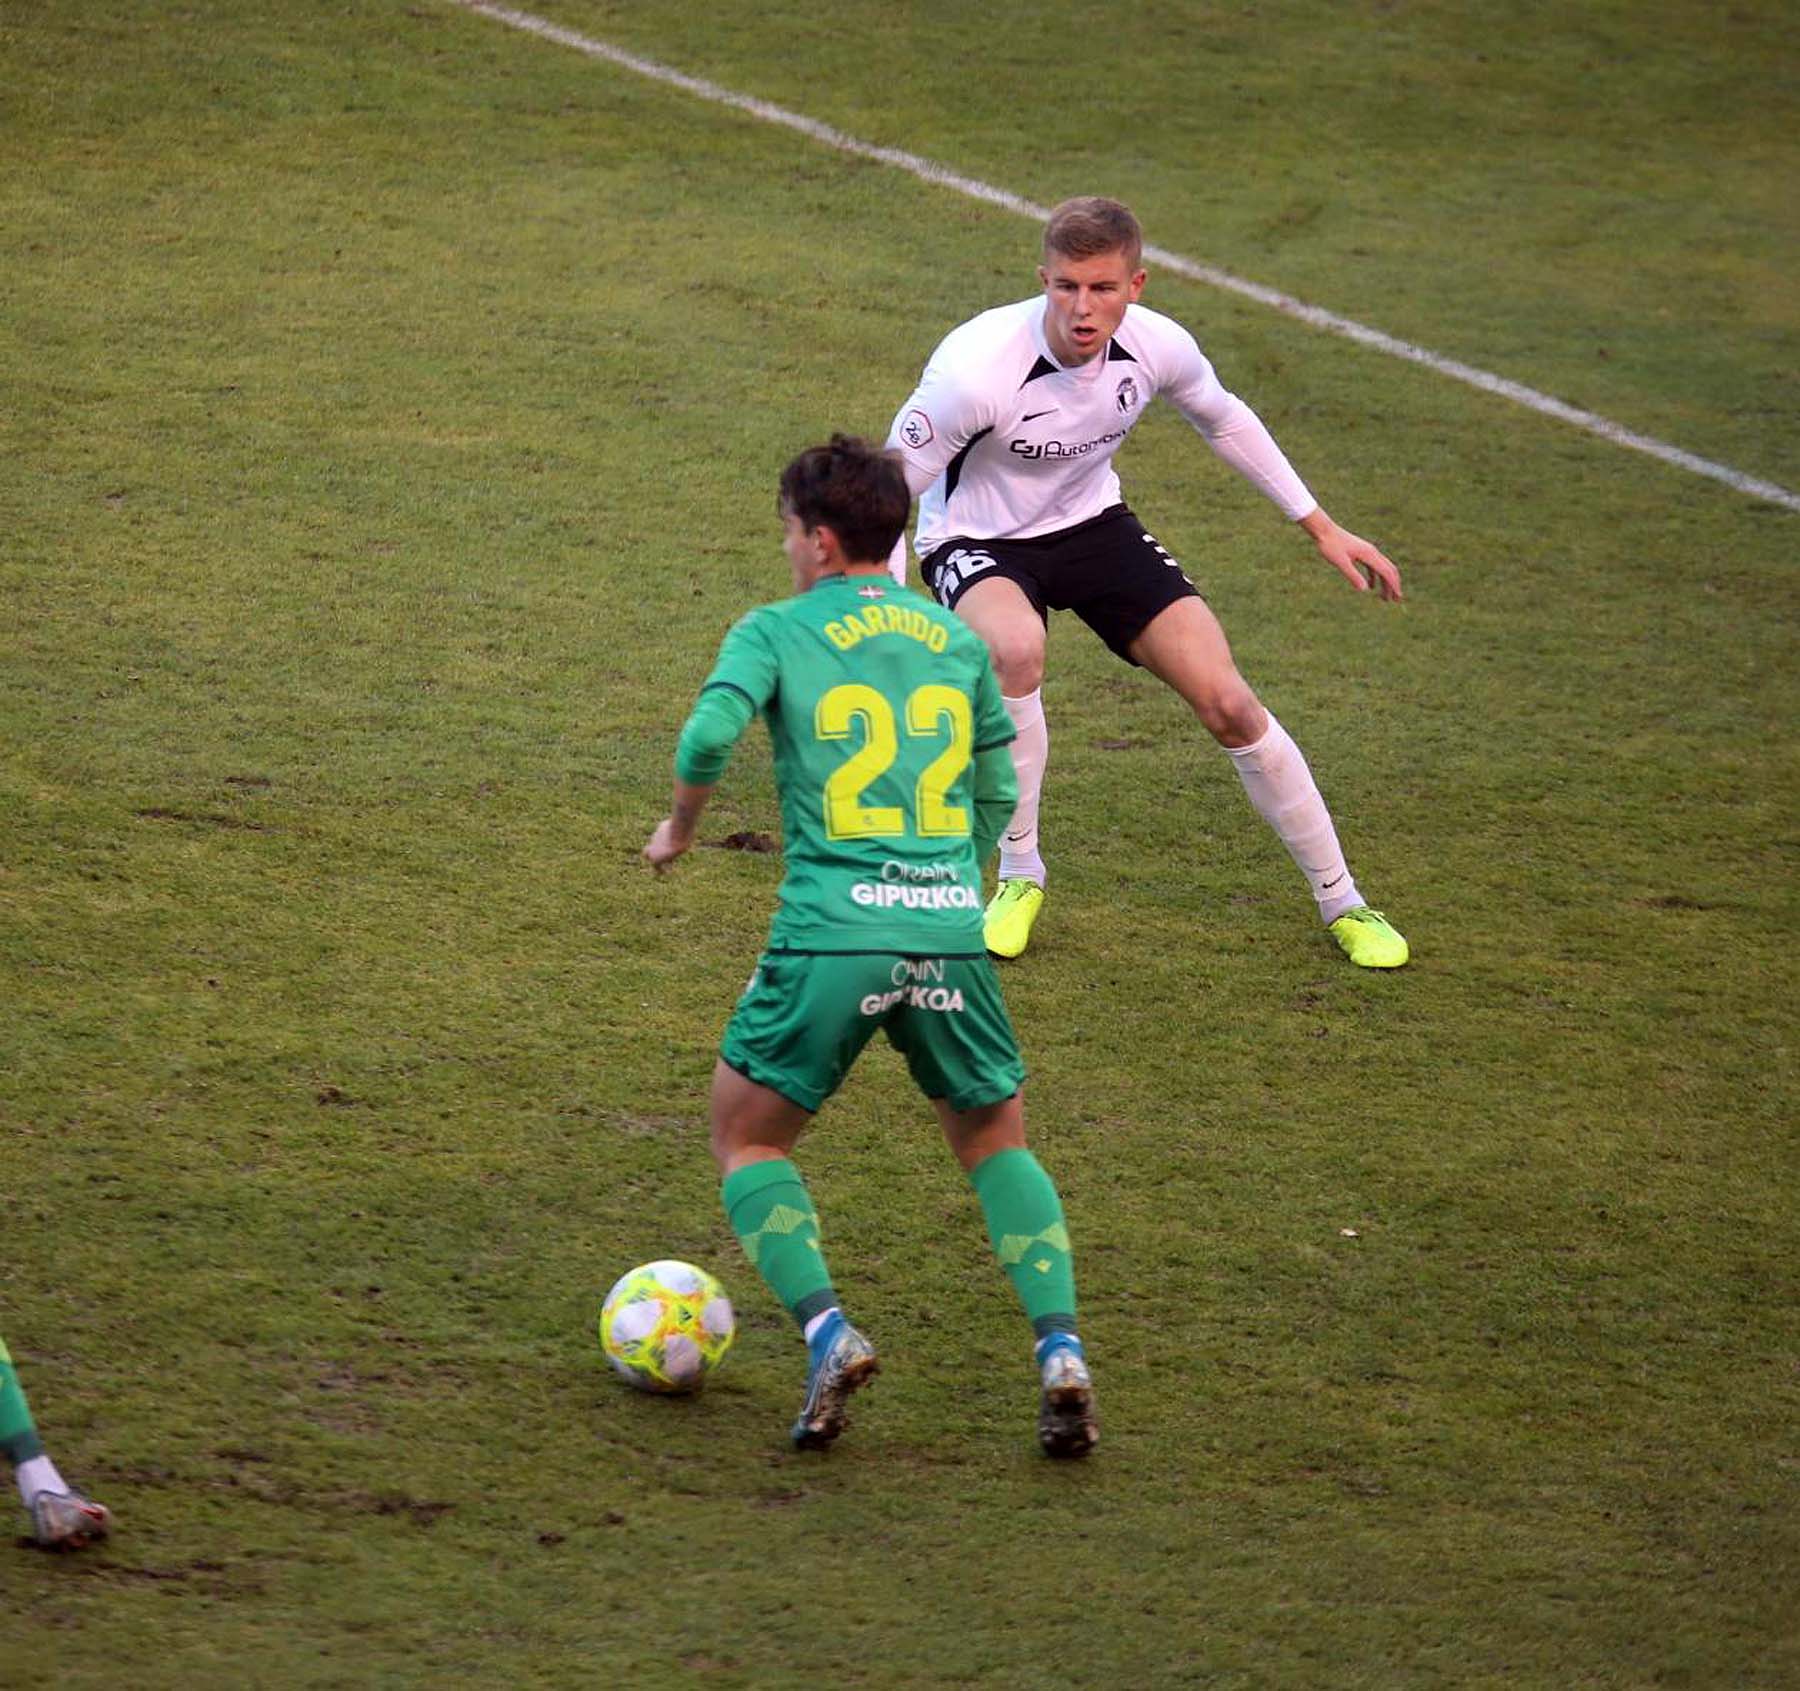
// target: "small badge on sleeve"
[[916, 430]]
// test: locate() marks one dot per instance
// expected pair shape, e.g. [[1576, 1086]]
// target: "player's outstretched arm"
[[675, 833], [719, 716], [1360, 562]]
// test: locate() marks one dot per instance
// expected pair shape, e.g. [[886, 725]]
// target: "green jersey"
[[880, 706]]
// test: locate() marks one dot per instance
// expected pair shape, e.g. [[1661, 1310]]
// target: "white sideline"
[[1314, 315]]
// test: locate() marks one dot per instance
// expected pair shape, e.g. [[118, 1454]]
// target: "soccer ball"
[[665, 1326]]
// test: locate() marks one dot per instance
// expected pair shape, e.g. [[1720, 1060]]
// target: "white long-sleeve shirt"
[[1000, 442]]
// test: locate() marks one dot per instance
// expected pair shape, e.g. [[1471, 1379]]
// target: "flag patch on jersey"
[[871, 593], [916, 429]]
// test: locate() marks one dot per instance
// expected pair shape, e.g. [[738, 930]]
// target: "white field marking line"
[[1314, 315]]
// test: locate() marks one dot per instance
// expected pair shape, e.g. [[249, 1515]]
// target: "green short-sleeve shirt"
[[877, 701]]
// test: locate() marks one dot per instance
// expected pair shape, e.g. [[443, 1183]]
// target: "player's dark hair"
[[1089, 226], [853, 488]]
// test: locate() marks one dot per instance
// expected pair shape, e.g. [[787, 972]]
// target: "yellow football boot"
[[1006, 926], [1368, 939]]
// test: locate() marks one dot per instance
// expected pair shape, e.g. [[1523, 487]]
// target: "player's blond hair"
[[1089, 226]]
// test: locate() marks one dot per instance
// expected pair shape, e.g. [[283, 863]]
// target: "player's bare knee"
[[1018, 661], [1232, 713]]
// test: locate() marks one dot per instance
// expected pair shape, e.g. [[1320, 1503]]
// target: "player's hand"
[[666, 844], [1359, 561]]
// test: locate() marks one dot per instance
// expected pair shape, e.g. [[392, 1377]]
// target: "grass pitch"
[[393, 404]]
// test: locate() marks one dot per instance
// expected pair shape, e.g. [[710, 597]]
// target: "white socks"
[[1281, 787], [1274, 774], [1020, 858], [39, 1474]]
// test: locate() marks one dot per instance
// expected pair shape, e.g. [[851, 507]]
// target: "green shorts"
[[806, 1015]]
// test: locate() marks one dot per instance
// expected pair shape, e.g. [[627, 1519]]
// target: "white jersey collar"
[[1090, 371]]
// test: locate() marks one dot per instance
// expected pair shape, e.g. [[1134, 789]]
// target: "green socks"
[[19, 1440], [772, 1214], [1025, 1224]]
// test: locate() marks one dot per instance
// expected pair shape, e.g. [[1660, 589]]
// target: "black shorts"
[[1109, 571]]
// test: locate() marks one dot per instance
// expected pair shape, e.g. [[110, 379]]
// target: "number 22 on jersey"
[[932, 711]]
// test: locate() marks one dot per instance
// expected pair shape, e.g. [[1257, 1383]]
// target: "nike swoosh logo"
[[1032, 416], [1011, 837]]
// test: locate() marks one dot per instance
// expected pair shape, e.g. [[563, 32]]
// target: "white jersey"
[[1001, 442]]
